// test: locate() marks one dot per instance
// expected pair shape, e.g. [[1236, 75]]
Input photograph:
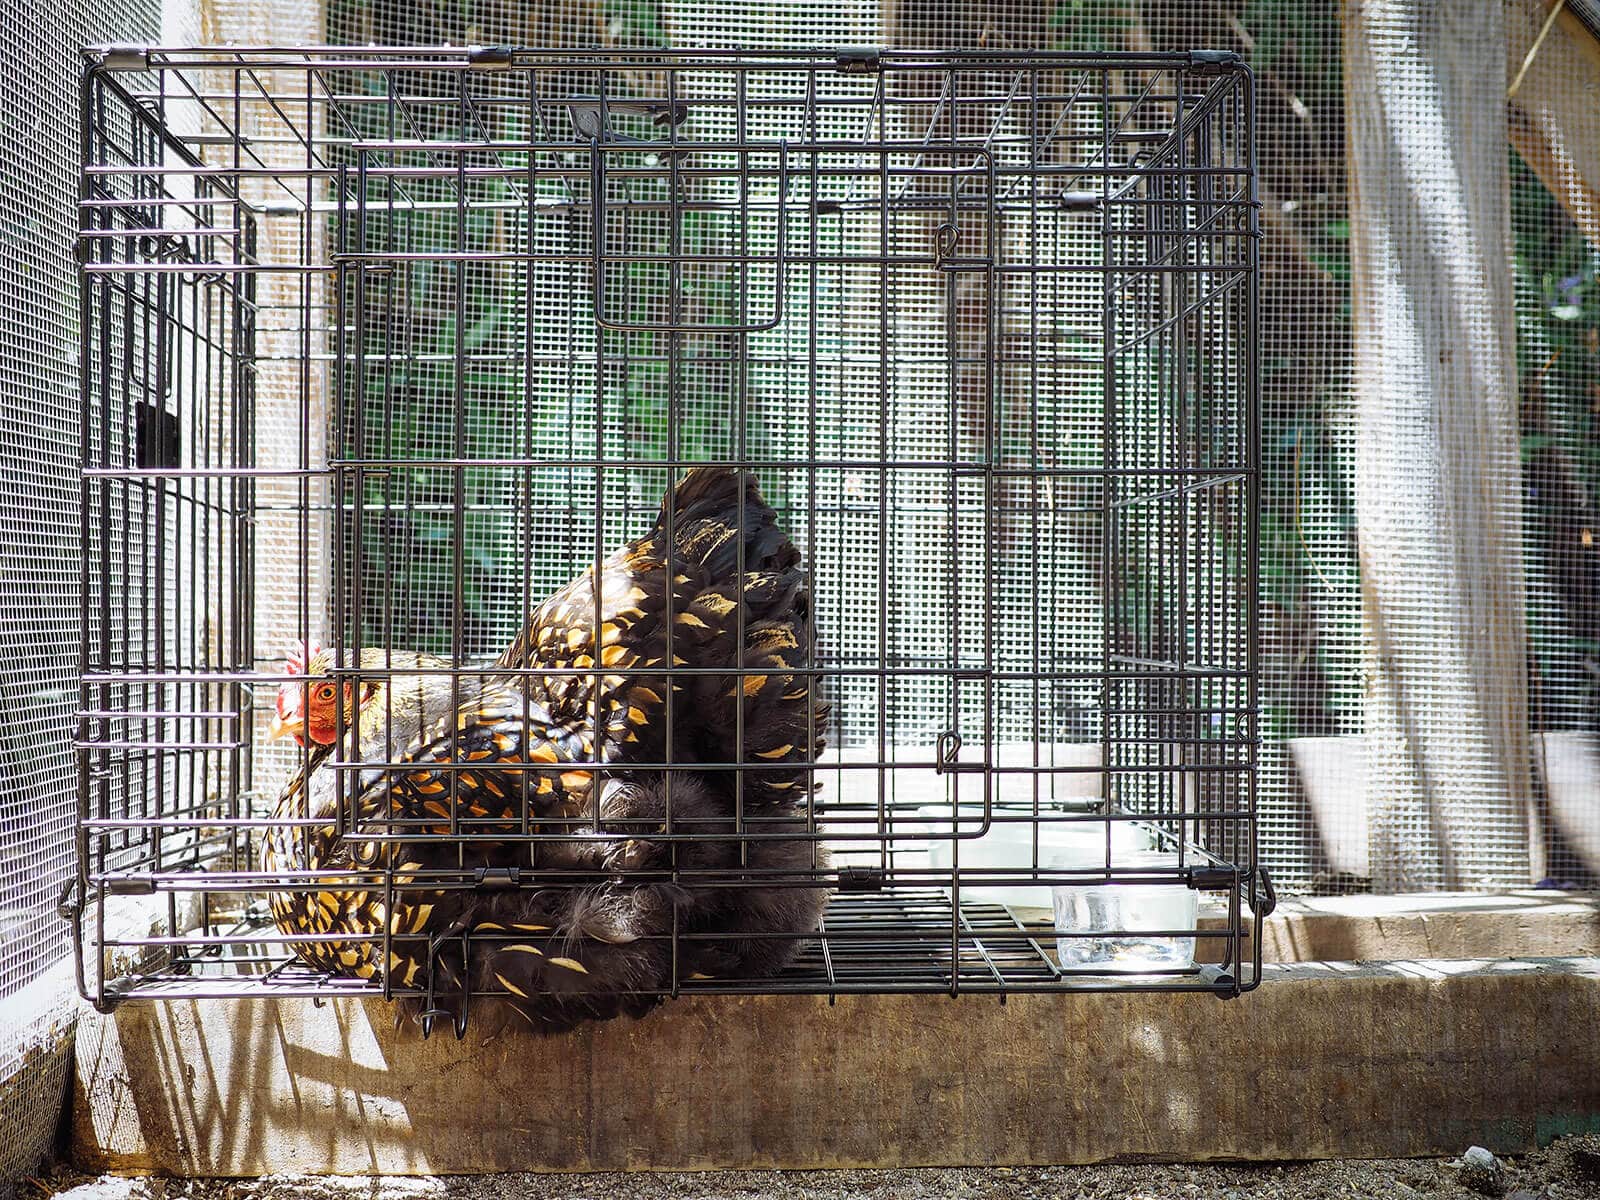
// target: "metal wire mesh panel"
[[1313, 773], [1316, 829], [167, 495], [1316, 835], [966, 342], [39, 530]]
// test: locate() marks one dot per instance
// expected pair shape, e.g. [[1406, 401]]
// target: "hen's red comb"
[[300, 656]]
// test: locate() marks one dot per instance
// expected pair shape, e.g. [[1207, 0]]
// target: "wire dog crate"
[[383, 347]]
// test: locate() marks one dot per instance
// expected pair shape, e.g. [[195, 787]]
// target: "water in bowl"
[[1128, 927]]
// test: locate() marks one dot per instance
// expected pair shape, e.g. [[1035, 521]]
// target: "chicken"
[[738, 598], [563, 954], [393, 706], [495, 757], [521, 760], [398, 682], [716, 563]]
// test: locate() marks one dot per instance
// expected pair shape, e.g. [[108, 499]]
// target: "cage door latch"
[[1265, 901], [591, 118], [861, 879], [945, 752], [858, 60], [68, 907], [492, 879]]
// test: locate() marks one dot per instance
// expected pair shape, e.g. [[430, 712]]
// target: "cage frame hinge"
[[1214, 62], [1080, 201], [491, 58], [112, 993], [128, 887], [496, 879], [858, 60], [862, 879], [119, 56], [1211, 879]]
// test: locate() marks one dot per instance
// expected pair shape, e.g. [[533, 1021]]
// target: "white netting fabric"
[[39, 547], [1315, 781]]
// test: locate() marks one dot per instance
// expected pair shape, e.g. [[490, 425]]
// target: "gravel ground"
[[1568, 1170]]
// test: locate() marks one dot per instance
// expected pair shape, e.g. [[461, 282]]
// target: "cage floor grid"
[[893, 942]]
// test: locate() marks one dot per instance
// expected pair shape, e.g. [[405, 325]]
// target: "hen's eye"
[[325, 693]]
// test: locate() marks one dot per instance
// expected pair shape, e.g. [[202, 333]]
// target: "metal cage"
[[382, 347]]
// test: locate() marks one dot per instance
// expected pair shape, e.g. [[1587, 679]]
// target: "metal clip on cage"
[[385, 348]]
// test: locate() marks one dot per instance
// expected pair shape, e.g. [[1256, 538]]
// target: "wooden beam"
[[1324, 1060], [1438, 475]]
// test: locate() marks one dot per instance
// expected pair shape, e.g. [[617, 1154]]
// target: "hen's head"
[[306, 711]]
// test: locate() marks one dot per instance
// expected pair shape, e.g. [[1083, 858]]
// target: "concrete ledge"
[[1324, 1060], [1533, 923]]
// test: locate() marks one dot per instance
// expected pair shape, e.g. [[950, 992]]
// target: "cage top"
[[128, 57]]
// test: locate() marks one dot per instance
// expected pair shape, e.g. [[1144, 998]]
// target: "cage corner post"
[[1438, 481]]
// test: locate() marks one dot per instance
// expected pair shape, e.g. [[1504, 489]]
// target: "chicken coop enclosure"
[[383, 349]]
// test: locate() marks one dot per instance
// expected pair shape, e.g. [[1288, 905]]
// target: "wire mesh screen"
[[1311, 632], [167, 437], [1315, 831], [39, 539], [1556, 231], [977, 328], [1313, 778]]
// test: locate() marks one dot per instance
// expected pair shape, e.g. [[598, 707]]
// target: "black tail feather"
[[549, 959]]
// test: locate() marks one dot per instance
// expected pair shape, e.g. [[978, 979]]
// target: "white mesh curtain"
[[39, 545], [1316, 792]]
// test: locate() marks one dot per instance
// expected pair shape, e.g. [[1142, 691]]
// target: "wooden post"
[[1438, 482], [293, 396], [1555, 122]]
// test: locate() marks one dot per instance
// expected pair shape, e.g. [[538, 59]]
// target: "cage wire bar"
[[388, 345]]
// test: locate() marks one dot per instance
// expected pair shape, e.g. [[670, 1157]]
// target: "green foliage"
[[447, 372], [1089, 26], [1291, 36], [634, 23], [1558, 351]]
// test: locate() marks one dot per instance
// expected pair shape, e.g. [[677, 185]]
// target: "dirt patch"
[[1567, 1170]]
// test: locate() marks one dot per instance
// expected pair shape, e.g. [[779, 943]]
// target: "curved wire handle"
[[598, 252]]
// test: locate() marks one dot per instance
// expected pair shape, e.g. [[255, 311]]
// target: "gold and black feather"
[[397, 859], [715, 586]]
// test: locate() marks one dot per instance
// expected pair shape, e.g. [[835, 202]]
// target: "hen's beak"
[[279, 728]]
